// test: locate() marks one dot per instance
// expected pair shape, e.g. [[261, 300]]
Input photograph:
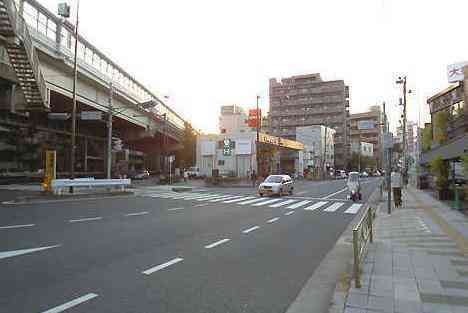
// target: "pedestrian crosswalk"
[[323, 205]]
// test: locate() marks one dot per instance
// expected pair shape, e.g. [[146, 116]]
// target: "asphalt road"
[[156, 253]]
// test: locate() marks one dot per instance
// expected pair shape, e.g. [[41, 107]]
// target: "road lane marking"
[[299, 204], [353, 209], [85, 219], [273, 220], [162, 266], [209, 198], [248, 230], [136, 214], [335, 193], [175, 209], [200, 197], [289, 213], [267, 202], [251, 201], [219, 197], [12, 253], [225, 198], [217, 243], [237, 200], [72, 303], [280, 204], [200, 205], [315, 206], [301, 192], [335, 206], [17, 226]]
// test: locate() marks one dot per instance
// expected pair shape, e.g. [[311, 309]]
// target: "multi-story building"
[[318, 146], [307, 100], [233, 118], [411, 137], [367, 127], [364, 148]]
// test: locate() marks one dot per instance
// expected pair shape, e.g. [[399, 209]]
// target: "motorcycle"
[[354, 187]]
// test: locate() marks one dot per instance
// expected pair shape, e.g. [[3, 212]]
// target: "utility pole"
[[405, 163], [75, 77], [360, 150], [388, 152], [325, 152], [258, 138], [109, 132]]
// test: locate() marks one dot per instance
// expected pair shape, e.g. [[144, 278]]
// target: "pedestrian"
[[185, 176], [396, 187], [254, 178]]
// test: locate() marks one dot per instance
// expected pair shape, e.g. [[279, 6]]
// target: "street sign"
[[91, 115], [388, 141], [366, 124], [227, 147], [58, 116], [455, 72]]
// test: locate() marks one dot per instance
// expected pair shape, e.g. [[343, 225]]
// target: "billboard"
[[455, 72], [243, 146], [366, 124]]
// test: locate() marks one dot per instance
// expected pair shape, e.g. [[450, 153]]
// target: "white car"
[[276, 185], [193, 172]]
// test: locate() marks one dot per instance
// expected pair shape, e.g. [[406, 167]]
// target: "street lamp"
[[64, 11], [402, 81]]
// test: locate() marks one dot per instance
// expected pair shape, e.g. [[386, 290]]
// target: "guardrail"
[[363, 233], [59, 184]]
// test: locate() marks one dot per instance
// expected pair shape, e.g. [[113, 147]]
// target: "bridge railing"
[[60, 36]]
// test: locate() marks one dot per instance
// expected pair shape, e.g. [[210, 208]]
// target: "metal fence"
[[363, 233]]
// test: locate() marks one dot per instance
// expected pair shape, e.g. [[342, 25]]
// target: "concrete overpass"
[[36, 79]]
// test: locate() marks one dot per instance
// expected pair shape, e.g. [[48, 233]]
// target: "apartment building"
[[366, 127], [307, 100]]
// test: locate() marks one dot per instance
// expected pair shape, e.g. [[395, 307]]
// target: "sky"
[[204, 54]]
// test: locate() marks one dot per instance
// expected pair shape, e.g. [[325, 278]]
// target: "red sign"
[[253, 113]]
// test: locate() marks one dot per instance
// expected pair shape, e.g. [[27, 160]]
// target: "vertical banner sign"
[[50, 169], [227, 147]]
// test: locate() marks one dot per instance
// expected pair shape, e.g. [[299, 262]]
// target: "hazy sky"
[[207, 53]]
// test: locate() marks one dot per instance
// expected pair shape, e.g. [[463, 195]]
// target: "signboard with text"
[[50, 169], [455, 72], [366, 124]]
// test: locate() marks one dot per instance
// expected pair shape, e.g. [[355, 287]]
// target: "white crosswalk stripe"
[[266, 202], [199, 196], [224, 198], [237, 200], [280, 204], [315, 206], [299, 204], [209, 198], [353, 209], [251, 201], [335, 206]]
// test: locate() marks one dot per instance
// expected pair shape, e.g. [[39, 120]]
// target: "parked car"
[[364, 174], [276, 185], [193, 172], [143, 174]]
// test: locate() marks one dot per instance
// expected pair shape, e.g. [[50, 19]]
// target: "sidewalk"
[[418, 261]]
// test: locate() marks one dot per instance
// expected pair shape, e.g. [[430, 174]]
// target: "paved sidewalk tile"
[[414, 265]]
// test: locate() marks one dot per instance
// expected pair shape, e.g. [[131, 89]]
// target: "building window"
[[221, 162]]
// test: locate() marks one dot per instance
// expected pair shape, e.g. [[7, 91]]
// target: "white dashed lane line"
[[137, 213], [72, 303], [162, 266], [289, 213], [17, 226], [88, 219], [251, 229], [217, 243], [175, 209], [272, 220]]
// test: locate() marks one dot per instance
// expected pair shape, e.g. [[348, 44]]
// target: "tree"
[[427, 138], [439, 168], [185, 157], [441, 126]]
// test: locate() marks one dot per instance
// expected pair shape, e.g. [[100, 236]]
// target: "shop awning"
[[449, 151]]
